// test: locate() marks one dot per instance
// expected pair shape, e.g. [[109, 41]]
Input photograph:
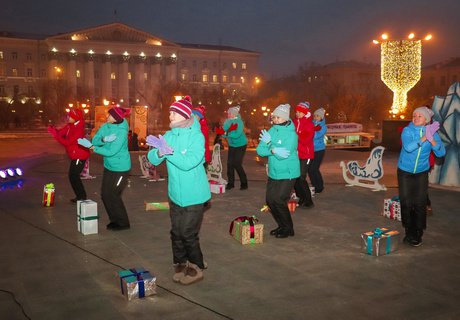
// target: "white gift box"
[[392, 209], [87, 217], [217, 188]]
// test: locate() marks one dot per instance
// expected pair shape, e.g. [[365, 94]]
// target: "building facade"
[[115, 62]]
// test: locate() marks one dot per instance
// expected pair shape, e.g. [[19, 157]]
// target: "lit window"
[[234, 65], [78, 73], [1, 55], [214, 78], [113, 76], [243, 66], [129, 76], [29, 72], [205, 78], [224, 78], [146, 77], [183, 76], [243, 80], [14, 72], [233, 78]]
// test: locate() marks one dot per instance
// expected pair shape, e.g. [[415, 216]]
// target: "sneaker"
[[244, 187], [415, 242], [179, 271], [192, 275], [111, 225]]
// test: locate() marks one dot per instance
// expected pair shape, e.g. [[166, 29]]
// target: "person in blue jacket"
[[418, 139], [316, 178], [237, 143], [279, 144], [182, 148]]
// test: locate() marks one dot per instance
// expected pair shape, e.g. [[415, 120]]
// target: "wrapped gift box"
[[149, 206], [292, 205], [392, 208], [379, 242], [247, 230], [216, 187], [137, 283], [48, 195], [87, 217]]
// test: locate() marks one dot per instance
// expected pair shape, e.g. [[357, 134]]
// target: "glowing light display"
[[401, 63]]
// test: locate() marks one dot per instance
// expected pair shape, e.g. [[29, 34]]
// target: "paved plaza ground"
[[55, 272]]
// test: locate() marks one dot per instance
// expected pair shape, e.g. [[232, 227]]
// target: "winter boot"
[[409, 236], [179, 271], [417, 239], [193, 274]]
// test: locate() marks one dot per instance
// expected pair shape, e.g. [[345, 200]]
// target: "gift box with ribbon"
[[392, 208], [149, 206], [216, 187], [247, 230], [87, 217], [137, 283], [380, 241], [48, 195]]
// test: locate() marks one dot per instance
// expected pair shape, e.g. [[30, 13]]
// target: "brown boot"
[[193, 274], [179, 271]]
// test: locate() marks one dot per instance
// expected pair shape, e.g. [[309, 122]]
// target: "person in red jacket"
[[199, 112], [306, 131], [67, 136]]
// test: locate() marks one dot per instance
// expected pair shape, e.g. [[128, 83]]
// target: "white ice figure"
[[214, 169], [85, 172], [149, 171], [447, 113], [367, 176]]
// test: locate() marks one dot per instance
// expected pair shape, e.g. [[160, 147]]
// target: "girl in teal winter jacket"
[[418, 139], [182, 148], [279, 144]]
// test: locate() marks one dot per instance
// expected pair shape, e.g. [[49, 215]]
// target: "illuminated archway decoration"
[[401, 64]]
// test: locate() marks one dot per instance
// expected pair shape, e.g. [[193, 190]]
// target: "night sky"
[[287, 33]]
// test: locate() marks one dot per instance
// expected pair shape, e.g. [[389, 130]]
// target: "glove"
[[109, 138], [265, 136], [317, 127], [281, 152], [52, 130], [430, 129], [84, 142], [220, 131], [163, 147], [152, 141], [232, 127]]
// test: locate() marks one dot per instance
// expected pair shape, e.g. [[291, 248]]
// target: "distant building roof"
[[213, 47], [351, 64], [22, 35]]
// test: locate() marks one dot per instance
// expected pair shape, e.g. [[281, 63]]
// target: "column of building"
[[71, 74], [89, 78], [105, 78], [123, 81]]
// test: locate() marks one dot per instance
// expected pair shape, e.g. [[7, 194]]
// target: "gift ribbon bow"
[[245, 220], [378, 233]]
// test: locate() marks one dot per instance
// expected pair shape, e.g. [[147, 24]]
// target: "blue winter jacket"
[[116, 154], [414, 156], [318, 140], [187, 181], [236, 138], [281, 168]]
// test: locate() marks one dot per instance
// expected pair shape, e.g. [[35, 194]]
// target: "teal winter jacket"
[[236, 138], [116, 154], [280, 168], [414, 156], [187, 181]]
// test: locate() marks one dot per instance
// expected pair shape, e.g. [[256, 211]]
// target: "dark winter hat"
[[183, 107], [76, 114], [119, 113]]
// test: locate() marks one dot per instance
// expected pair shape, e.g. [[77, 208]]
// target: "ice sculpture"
[[447, 112]]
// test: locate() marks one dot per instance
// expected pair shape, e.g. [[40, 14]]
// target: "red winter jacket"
[[205, 131], [68, 135], [306, 131]]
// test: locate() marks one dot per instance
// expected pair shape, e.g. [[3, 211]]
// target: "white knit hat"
[[282, 111], [320, 112], [427, 113], [234, 110]]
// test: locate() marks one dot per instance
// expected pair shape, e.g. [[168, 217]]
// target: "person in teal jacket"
[[314, 173], [279, 144], [182, 148], [111, 141], [418, 139], [237, 143]]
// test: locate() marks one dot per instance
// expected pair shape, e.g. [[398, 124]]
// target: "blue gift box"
[[137, 283]]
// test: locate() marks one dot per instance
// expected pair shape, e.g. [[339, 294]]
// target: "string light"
[[401, 63]]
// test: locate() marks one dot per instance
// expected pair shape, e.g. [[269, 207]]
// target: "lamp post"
[[401, 63]]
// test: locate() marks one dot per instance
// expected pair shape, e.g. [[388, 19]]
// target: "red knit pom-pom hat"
[[183, 107]]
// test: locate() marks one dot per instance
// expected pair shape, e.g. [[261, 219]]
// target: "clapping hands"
[[265, 136], [84, 142], [430, 129], [232, 127], [281, 152], [159, 143], [109, 138]]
